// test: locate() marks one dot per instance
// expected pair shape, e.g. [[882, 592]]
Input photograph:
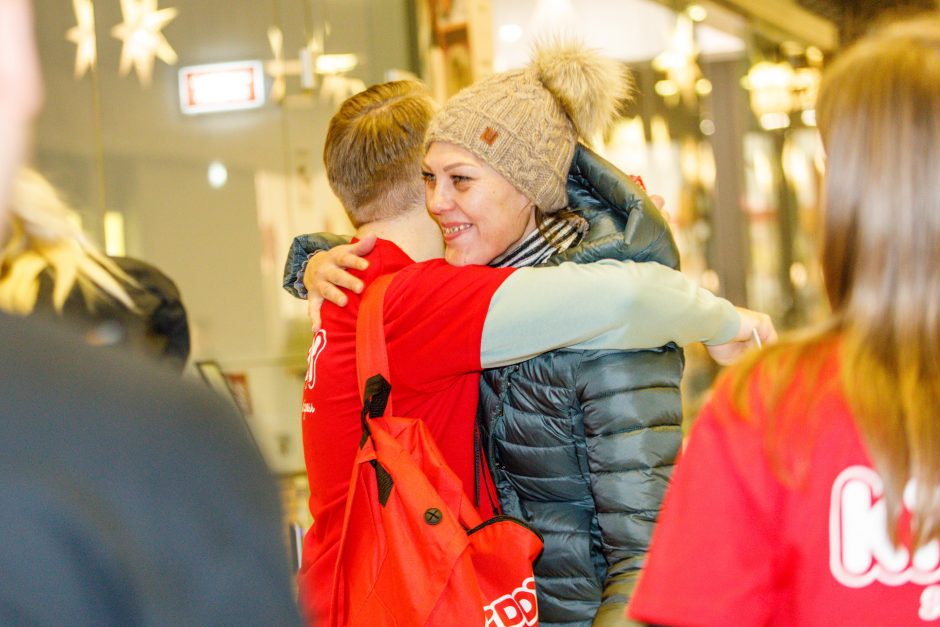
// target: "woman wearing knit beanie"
[[525, 125], [580, 443]]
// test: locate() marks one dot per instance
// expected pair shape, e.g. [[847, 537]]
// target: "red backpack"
[[414, 550]]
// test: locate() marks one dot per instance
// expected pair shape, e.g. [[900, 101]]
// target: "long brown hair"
[[878, 115]]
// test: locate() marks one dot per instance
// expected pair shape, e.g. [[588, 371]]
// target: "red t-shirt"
[[735, 546], [434, 316]]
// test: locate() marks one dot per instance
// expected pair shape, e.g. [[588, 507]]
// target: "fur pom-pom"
[[588, 85]]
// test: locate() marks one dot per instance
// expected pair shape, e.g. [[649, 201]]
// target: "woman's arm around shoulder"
[[607, 305]]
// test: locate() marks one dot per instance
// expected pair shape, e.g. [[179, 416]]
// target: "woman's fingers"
[[326, 276], [314, 303], [336, 275], [364, 246], [752, 323], [331, 293]]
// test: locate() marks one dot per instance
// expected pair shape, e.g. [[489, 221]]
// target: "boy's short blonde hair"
[[374, 147]]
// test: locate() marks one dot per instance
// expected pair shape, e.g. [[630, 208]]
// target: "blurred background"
[[189, 134]]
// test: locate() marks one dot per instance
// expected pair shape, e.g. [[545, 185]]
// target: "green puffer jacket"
[[582, 443]]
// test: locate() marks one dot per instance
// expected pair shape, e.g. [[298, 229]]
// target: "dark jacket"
[[582, 443], [128, 497]]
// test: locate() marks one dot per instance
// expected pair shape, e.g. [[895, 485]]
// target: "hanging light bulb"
[[696, 12], [678, 62], [771, 96]]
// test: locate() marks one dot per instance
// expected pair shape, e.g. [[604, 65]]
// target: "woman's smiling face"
[[481, 214]]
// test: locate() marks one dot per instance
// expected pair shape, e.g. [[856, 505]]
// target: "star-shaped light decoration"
[[140, 32], [279, 68], [83, 36]]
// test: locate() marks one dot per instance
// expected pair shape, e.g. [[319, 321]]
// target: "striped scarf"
[[557, 234]]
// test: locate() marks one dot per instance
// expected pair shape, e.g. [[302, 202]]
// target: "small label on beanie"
[[489, 136]]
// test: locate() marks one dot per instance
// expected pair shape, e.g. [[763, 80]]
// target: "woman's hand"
[[754, 326], [326, 276]]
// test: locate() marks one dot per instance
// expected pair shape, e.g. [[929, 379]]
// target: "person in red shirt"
[[445, 323], [809, 493]]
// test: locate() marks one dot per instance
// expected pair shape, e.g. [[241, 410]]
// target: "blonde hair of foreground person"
[[877, 113], [44, 235]]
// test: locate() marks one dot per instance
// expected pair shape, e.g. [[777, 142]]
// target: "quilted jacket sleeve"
[[300, 249]]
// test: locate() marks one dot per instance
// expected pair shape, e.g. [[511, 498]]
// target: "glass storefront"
[[213, 198]]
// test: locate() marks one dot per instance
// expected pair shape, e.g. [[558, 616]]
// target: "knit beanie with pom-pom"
[[526, 123]]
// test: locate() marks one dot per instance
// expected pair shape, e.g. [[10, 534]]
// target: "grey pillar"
[[728, 250]]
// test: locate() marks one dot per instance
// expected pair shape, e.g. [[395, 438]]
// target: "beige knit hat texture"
[[526, 123]]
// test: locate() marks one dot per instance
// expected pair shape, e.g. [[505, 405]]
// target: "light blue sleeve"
[[602, 305]]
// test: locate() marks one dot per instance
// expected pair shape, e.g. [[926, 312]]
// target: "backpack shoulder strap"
[[371, 348]]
